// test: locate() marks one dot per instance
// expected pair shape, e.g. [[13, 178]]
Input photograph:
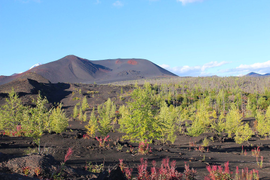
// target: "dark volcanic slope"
[[70, 69], [73, 69], [23, 76], [131, 69]]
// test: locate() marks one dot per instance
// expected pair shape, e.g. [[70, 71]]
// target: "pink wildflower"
[[68, 154]]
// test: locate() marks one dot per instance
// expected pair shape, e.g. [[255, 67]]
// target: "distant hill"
[[74, 69], [253, 74], [23, 76]]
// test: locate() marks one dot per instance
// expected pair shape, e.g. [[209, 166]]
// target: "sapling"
[[85, 104], [75, 112], [92, 125], [106, 114], [58, 119], [84, 117], [138, 117], [11, 113], [36, 121], [167, 118], [243, 134], [80, 114], [233, 120]]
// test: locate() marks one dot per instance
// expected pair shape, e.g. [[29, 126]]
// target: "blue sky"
[[187, 37]]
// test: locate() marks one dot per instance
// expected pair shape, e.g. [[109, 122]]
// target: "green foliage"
[[76, 98], [205, 142], [250, 109], [36, 121], [85, 104], [220, 125], [167, 117], [262, 103], [75, 112], [137, 119], [94, 168], [84, 117], [243, 134], [33, 121], [80, 117], [92, 125], [233, 120], [92, 92], [106, 114], [202, 122], [58, 119], [11, 113], [263, 122]]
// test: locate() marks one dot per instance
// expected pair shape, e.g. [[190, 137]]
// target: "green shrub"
[[85, 104], [106, 114], [220, 125], [92, 124], [11, 113], [36, 120], [101, 123], [75, 112], [263, 122], [243, 134], [167, 118], [84, 117], [76, 98], [80, 117], [138, 117], [58, 119], [31, 122], [233, 120], [202, 122]]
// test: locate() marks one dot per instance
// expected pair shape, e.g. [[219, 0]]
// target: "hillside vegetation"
[[218, 105]]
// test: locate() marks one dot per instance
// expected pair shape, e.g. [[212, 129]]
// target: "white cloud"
[[118, 4], [188, 1], [244, 69], [255, 66], [194, 70]]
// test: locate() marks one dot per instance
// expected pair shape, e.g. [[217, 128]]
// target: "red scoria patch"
[[118, 62], [132, 62]]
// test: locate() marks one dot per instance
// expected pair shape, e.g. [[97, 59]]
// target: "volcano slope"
[[73, 69], [185, 150]]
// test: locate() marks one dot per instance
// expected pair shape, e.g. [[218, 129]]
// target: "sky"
[[187, 37]]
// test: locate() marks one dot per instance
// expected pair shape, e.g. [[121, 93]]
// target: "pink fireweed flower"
[[220, 169], [19, 127], [68, 154], [121, 161], [227, 169], [237, 170], [209, 169], [128, 172], [105, 139]]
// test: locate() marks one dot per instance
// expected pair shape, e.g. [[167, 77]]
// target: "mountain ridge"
[[253, 74], [73, 69]]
